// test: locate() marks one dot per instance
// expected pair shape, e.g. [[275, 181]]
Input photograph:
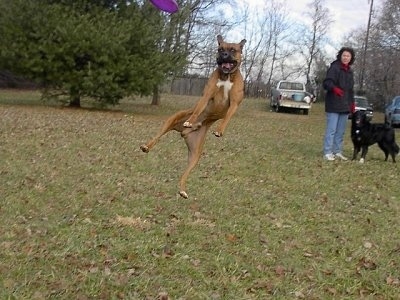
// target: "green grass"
[[84, 214]]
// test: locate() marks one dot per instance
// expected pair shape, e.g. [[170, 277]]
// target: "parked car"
[[392, 112], [362, 103]]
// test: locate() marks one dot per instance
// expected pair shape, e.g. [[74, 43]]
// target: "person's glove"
[[337, 91]]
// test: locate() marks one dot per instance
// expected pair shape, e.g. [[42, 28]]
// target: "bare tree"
[[258, 51], [314, 36], [267, 32], [381, 69], [389, 25], [279, 34], [187, 33]]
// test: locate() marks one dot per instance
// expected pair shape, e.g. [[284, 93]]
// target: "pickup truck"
[[290, 94]]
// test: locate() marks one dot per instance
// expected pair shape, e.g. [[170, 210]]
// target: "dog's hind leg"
[[385, 148], [389, 148], [194, 142], [394, 150], [172, 123]]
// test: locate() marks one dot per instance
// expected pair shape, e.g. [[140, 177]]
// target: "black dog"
[[365, 134]]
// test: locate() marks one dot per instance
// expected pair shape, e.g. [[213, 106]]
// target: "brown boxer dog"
[[222, 96]]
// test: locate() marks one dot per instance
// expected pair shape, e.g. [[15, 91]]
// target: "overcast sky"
[[346, 14]]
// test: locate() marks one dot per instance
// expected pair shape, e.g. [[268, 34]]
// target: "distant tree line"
[[379, 62]]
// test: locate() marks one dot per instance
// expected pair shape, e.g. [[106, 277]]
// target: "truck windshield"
[[296, 86], [361, 102]]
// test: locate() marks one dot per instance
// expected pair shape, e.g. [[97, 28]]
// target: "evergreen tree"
[[104, 50]]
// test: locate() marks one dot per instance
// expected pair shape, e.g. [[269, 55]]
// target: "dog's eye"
[[220, 50], [233, 50]]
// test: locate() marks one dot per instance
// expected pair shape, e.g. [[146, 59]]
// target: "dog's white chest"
[[227, 85]]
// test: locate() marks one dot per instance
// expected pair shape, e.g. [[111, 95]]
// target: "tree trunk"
[[156, 96], [75, 101]]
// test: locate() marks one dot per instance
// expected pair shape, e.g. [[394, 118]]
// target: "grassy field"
[[84, 214]]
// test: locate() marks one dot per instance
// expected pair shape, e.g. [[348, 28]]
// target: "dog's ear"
[[242, 42], [220, 39]]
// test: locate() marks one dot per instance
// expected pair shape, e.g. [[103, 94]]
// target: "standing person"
[[339, 101]]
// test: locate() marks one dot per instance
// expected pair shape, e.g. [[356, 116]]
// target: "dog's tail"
[[396, 148]]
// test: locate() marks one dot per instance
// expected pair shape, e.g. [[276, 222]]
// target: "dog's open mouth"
[[227, 67]]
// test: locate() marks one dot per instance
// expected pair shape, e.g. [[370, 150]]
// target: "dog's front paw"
[[217, 133], [183, 194], [144, 148], [362, 160], [187, 124]]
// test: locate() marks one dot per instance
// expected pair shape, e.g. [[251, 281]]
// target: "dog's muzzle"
[[226, 63]]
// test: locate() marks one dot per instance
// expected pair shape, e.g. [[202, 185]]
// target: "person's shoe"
[[340, 156], [329, 156]]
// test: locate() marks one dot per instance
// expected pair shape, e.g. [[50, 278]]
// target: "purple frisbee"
[[166, 5]]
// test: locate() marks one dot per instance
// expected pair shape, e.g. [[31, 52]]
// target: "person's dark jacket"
[[339, 76]]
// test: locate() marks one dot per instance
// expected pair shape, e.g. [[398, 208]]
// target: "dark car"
[[392, 112], [362, 103]]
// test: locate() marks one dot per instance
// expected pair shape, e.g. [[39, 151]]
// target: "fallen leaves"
[[167, 251], [280, 271], [163, 296], [137, 222], [368, 245], [266, 285], [231, 238], [366, 263], [393, 281]]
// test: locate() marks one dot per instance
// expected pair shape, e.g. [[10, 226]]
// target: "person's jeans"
[[334, 132]]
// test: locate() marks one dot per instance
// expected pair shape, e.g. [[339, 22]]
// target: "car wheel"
[[388, 120]]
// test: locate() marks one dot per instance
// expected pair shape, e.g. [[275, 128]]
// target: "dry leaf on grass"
[[280, 271], [392, 281], [231, 238], [263, 285], [368, 245], [163, 296], [203, 222], [137, 223], [299, 294], [331, 290], [167, 251], [366, 264]]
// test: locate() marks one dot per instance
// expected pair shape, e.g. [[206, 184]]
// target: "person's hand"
[[337, 91], [353, 107]]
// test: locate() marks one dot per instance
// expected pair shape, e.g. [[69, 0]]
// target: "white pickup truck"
[[291, 94]]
